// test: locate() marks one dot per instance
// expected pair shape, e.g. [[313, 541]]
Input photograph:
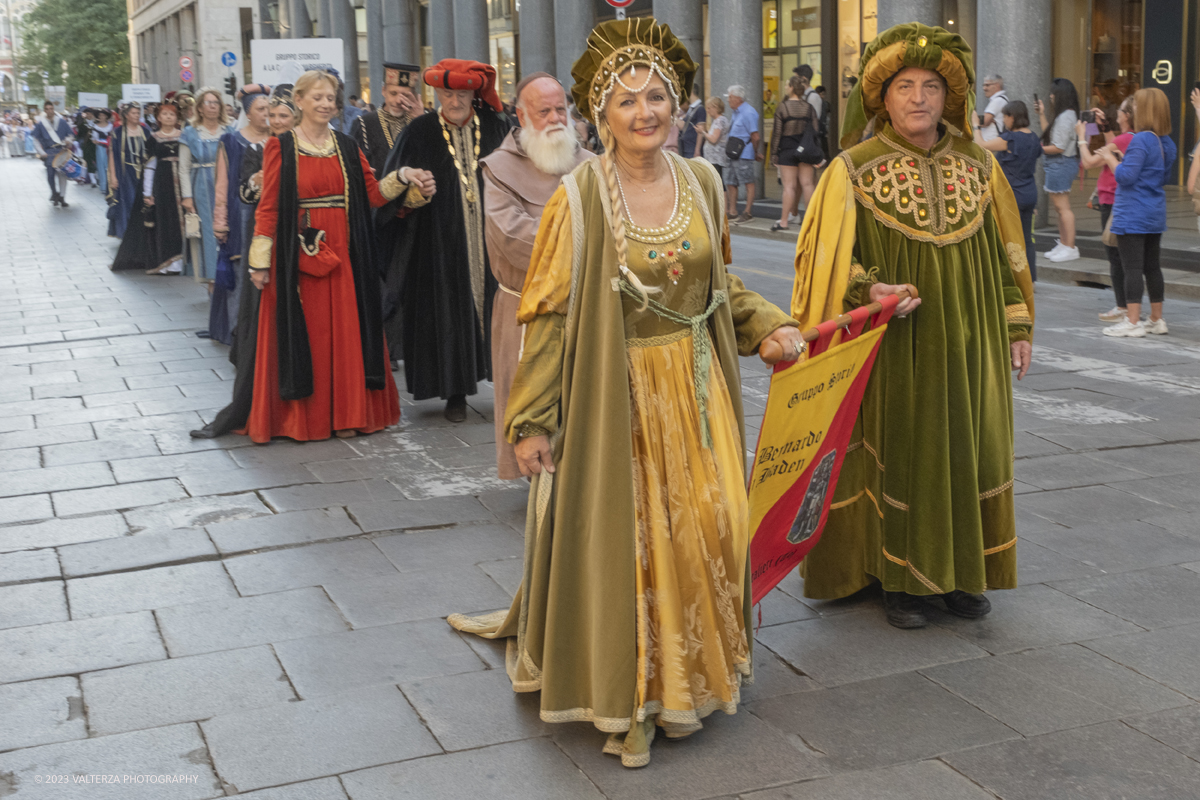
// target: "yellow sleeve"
[[824, 250], [548, 281], [533, 400], [1008, 221]]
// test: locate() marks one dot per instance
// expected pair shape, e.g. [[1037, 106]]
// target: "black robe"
[[373, 140], [243, 353], [446, 347], [137, 238], [167, 212]]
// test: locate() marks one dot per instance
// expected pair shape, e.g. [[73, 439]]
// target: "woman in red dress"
[[322, 364]]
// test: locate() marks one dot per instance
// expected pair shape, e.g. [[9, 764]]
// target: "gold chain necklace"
[[462, 174]]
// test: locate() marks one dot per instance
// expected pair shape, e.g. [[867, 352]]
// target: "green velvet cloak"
[[924, 503]]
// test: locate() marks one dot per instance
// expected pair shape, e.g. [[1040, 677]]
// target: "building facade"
[[163, 31], [12, 86]]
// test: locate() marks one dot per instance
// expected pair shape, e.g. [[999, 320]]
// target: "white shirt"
[[995, 106]]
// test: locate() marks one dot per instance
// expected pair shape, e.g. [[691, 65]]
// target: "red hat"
[[457, 73]]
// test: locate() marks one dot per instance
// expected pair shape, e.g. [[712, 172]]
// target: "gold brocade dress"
[[633, 609], [691, 510]]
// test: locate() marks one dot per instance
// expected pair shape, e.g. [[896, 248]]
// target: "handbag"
[[733, 147], [191, 225], [1108, 237], [810, 150]]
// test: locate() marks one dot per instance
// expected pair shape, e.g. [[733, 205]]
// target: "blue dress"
[[129, 157], [203, 152], [222, 313], [1018, 164]]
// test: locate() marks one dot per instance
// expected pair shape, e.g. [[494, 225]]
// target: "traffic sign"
[[186, 75], [185, 62], [228, 58], [620, 3]]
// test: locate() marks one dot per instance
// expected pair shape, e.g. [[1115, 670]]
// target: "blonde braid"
[[608, 162]]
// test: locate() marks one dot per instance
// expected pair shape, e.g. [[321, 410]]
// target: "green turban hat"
[[911, 45]]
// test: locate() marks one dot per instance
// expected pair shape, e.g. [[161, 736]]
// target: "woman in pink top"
[[1106, 187]]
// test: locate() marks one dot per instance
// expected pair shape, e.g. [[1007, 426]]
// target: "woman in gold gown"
[[626, 412]]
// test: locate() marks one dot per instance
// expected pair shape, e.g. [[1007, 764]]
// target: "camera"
[[1088, 116]]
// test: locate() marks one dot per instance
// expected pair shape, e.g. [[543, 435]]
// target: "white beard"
[[552, 149]]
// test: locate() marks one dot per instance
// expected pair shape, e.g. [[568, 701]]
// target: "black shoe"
[[904, 610], [395, 365], [777, 227], [55, 199], [456, 408], [63, 202], [964, 604]]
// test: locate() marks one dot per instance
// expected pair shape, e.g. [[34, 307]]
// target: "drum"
[[64, 163]]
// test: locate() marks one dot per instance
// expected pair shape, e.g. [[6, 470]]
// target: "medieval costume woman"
[[198, 179], [242, 351], [924, 504], [321, 364], [634, 607], [161, 182], [100, 130], [228, 222], [128, 151]]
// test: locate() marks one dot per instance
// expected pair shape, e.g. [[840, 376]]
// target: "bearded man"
[[924, 504], [378, 131], [438, 278], [518, 178]]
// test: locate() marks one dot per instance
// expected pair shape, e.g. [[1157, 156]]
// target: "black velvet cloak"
[[427, 296]]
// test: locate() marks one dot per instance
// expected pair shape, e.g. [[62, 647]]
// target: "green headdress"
[[911, 45], [613, 47]]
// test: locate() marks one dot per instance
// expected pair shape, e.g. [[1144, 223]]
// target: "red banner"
[[811, 410]]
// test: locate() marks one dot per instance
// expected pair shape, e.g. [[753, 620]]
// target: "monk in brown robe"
[[518, 178]]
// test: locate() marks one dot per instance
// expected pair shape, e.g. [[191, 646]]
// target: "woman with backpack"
[[1139, 215], [795, 150]]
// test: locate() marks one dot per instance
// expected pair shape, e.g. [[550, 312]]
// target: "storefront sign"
[[279, 61], [1163, 72], [141, 93], [804, 19], [58, 96], [93, 100]]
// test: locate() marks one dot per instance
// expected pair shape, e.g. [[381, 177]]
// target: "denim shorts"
[[1060, 174], [739, 172]]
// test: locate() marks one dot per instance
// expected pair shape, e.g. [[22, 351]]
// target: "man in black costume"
[[438, 277], [378, 131]]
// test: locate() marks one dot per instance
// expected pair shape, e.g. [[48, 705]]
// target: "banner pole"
[[771, 352]]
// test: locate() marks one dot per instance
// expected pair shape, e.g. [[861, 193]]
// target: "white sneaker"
[[1066, 254], [1116, 315], [1126, 329], [1058, 246], [793, 218], [1157, 327]]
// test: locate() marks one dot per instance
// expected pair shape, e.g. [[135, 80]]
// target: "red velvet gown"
[[340, 399]]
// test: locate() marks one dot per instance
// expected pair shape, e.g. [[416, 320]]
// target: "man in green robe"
[[924, 504]]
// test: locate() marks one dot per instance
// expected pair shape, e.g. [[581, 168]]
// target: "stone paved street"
[[268, 620]]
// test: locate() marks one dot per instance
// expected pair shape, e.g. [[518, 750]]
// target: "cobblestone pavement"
[[267, 620]]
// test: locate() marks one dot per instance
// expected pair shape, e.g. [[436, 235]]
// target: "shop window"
[[1116, 51], [770, 25]]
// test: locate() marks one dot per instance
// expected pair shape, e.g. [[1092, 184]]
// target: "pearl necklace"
[[675, 223]]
